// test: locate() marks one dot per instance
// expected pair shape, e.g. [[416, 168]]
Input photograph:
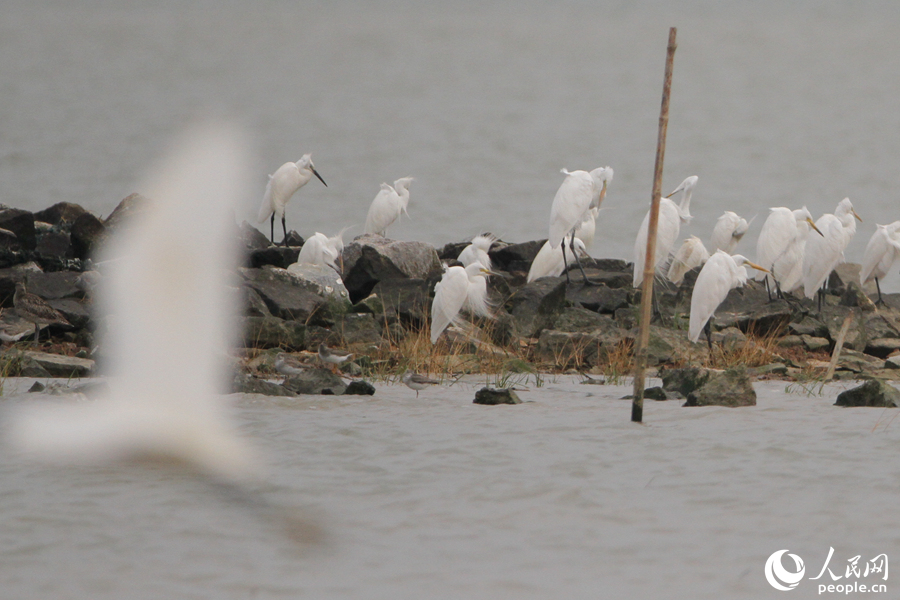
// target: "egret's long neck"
[[685, 207]]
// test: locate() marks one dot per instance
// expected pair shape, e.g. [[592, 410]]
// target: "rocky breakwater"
[[378, 308]]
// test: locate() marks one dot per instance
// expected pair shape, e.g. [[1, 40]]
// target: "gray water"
[[562, 496]]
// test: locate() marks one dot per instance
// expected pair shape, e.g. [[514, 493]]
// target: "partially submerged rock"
[[731, 388], [316, 381], [872, 393], [494, 396]]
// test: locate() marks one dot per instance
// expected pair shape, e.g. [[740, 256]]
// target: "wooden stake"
[[838, 346], [640, 352]]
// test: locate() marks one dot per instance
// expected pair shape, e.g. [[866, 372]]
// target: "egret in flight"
[[387, 206], [882, 252], [671, 216], [729, 230], [721, 274], [579, 192], [460, 288], [283, 184], [780, 248], [823, 253]]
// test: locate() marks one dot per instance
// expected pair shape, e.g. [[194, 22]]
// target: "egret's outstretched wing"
[[172, 317]]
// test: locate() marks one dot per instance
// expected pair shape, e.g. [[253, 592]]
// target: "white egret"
[[671, 216], [167, 294], [322, 250], [721, 274], [460, 288], [387, 206], [415, 381], [578, 192], [882, 252], [729, 230], [824, 253], [477, 251], [549, 262], [283, 184], [692, 253], [588, 227], [780, 247]]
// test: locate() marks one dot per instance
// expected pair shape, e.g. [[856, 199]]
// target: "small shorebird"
[[289, 365], [417, 382], [13, 327], [35, 309], [332, 356]]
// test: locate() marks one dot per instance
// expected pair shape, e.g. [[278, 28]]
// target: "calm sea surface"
[[772, 104]]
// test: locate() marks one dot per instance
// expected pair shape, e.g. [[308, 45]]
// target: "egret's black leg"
[[578, 262], [768, 292], [565, 266], [880, 299], [284, 228], [708, 329], [272, 229]]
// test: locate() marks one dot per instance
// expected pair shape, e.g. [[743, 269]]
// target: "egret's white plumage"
[[671, 216], [781, 244], [824, 252], [882, 252], [282, 185], [578, 192], [692, 253], [477, 251], [588, 227], [322, 250], [460, 288], [729, 230], [721, 274], [167, 295], [549, 262], [387, 206]]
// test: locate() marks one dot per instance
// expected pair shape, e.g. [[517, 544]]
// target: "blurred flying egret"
[[671, 216], [692, 253], [729, 230], [477, 251], [882, 252], [578, 192], [549, 262], [387, 206], [823, 253], [460, 288], [283, 184], [721, 274], [174, 319], [781, 245]]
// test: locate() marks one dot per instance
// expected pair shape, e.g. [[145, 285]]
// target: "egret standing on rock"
[[477, 251], [460, 288], [283, 184], [721, 274], [549, 263], [387, 206], [579, 192], [781, 245], [824, 253], [882, 252], [671, 216]]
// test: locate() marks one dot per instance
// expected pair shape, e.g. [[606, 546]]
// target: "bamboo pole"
[[640, 353], [838, 346]]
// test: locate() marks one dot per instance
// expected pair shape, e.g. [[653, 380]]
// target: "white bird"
[[781, 245], [387, 206], [721, 274], [460, 288], [549, 262], [477, 251], [578, 192], [588, 227], [282, 185], [882, 252], [692, 253], [415, 381], [668, 226], [322, 250], [729, 230], [167, 294], [823, 253]]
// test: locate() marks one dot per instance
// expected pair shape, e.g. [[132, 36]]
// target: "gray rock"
[[809, 326], [87, 234], [276, 256], [599, 298], [316, 382], [55, 245], [21, 223], [871, 393], [854, 296], [402, 300], [729, 337], [790, 341], [814, 344], [359, 387], [355, 328], [253, 238], [731, 388], [75, 311], [61, 366], [370, 259], [892, 363], [246, 384], [272, 332], [842, 275], [578, 319], [324, 281], [534, 307], [514, 257], [494, 396], [567, 349], [284, 295], [130, 208], [684, 381], [770, 369], [749, 309], [655, 393], [61, 213]]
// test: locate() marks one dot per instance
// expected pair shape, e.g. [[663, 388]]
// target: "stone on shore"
[[535, 306], [272, 332], [370, 259], [358, 387], [731, 388], [57, 365], [247, 384], [316, 381], [684, 381], [284, 295], [495, 396], [872, 393]]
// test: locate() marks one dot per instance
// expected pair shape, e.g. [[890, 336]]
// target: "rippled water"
[[559, 497]]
